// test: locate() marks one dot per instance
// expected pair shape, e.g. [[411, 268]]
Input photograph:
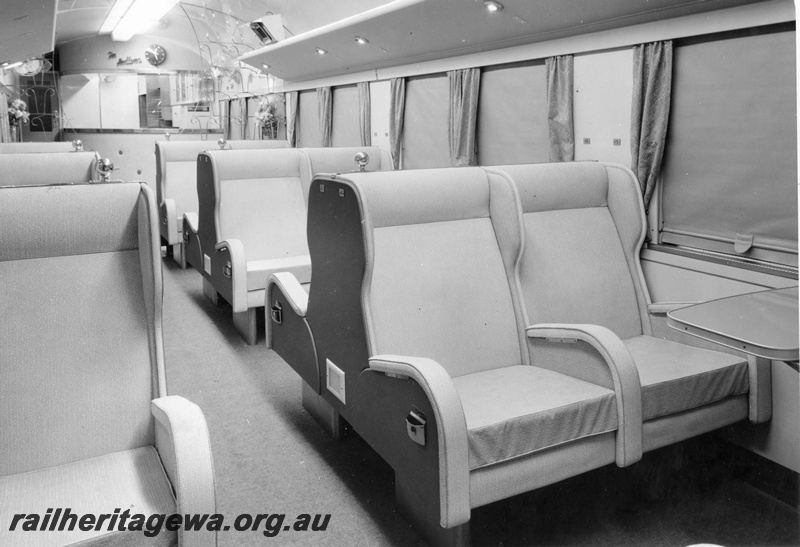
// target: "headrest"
[[555, 186], [396, 198], [44, 221], [342, 159], [188, 150], [46, 168], [35, 147], [255, 164]]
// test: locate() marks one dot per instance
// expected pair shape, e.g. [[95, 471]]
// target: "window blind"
[[346, 130], [425, 133]]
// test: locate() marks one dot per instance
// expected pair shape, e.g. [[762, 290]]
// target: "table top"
[[764, 323]]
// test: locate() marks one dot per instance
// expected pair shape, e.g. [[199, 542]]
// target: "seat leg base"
[[209, 292], [423, 514], [246, 324], [179, 255], [321, 410]]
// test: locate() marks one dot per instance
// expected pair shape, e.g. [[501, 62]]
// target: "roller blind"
[[346, 130], [308, 120], [512, 114], [730, 166], [425, 139]]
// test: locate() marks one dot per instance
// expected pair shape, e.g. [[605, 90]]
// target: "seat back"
[[434, 278], [35, 147], [45, 168], [81, 355], [257, 197], [342, 159], [583, 226], [176, 168]]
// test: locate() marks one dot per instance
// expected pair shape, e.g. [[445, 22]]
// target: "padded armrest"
[[627, 387], [661, 308], [231, 285], [452, 429], [169, 222], [184, 446], [190, 220], [291, 288]]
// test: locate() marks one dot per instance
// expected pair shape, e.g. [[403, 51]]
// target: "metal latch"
[[227, 269], [277, 313], [186, 237], [415, 425]]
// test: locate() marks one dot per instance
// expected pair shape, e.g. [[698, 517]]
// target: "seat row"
[[243, 213], [488, 331]]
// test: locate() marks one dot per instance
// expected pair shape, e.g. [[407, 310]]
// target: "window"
[[730, 165]]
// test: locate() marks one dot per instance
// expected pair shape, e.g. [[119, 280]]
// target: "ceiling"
[[405, 32], [399, 31]]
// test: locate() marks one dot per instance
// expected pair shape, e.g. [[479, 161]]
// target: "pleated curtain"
[[464, 91], [559, 108], [652, 89], [293, 100], [364, 113], [397, 105], [325, 109], [224, 119]]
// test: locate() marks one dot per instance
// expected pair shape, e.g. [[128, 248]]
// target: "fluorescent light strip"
[[115, 15], [141, 16]]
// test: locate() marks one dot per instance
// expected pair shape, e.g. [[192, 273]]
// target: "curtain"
[[224, 118], [292, 99], [364, 113], [464, 91], [559, 108], [325, 109], [397, 106], [237, 119], [652, 87]]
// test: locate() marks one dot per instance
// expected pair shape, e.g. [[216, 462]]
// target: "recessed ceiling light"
[[321, 51], [493, 6], [265, 66], [361, 40]]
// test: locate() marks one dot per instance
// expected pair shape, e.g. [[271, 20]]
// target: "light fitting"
[[321, 51], [361, 40], [140, 17], [493, 6], [9, 64], [115, 15]]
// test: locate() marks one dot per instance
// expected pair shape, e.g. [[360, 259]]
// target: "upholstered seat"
[[515, 411], [580, 278], [414, 321], [131, 479], [39, 147], [17, 169], [85, 419], [176, 187], [676, 377]]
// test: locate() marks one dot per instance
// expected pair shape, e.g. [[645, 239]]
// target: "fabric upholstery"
[[47, 168], [35, 147], [341, 159], [515, 411], [95, 280], [131, 479], [676, 377]]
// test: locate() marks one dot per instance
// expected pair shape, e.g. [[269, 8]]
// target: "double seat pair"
[[176, 185], [488, 331], [252, 220]]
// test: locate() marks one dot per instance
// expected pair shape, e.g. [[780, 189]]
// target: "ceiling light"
[[493, 6], [114, 15], [321, 51], [361, 40], [140, 17], [266, 66], [9, 64]]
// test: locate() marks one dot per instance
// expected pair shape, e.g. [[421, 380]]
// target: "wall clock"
[[155, 55]]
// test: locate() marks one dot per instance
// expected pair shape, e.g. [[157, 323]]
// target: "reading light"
[[361, 40], [141, 15], [321, 51], [493, 6]]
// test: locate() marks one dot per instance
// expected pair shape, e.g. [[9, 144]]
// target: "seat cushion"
[[676, 377], [258, 271], [130, 480], [517, 410]]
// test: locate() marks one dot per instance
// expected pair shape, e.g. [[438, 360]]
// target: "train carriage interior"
[[399, 272]]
